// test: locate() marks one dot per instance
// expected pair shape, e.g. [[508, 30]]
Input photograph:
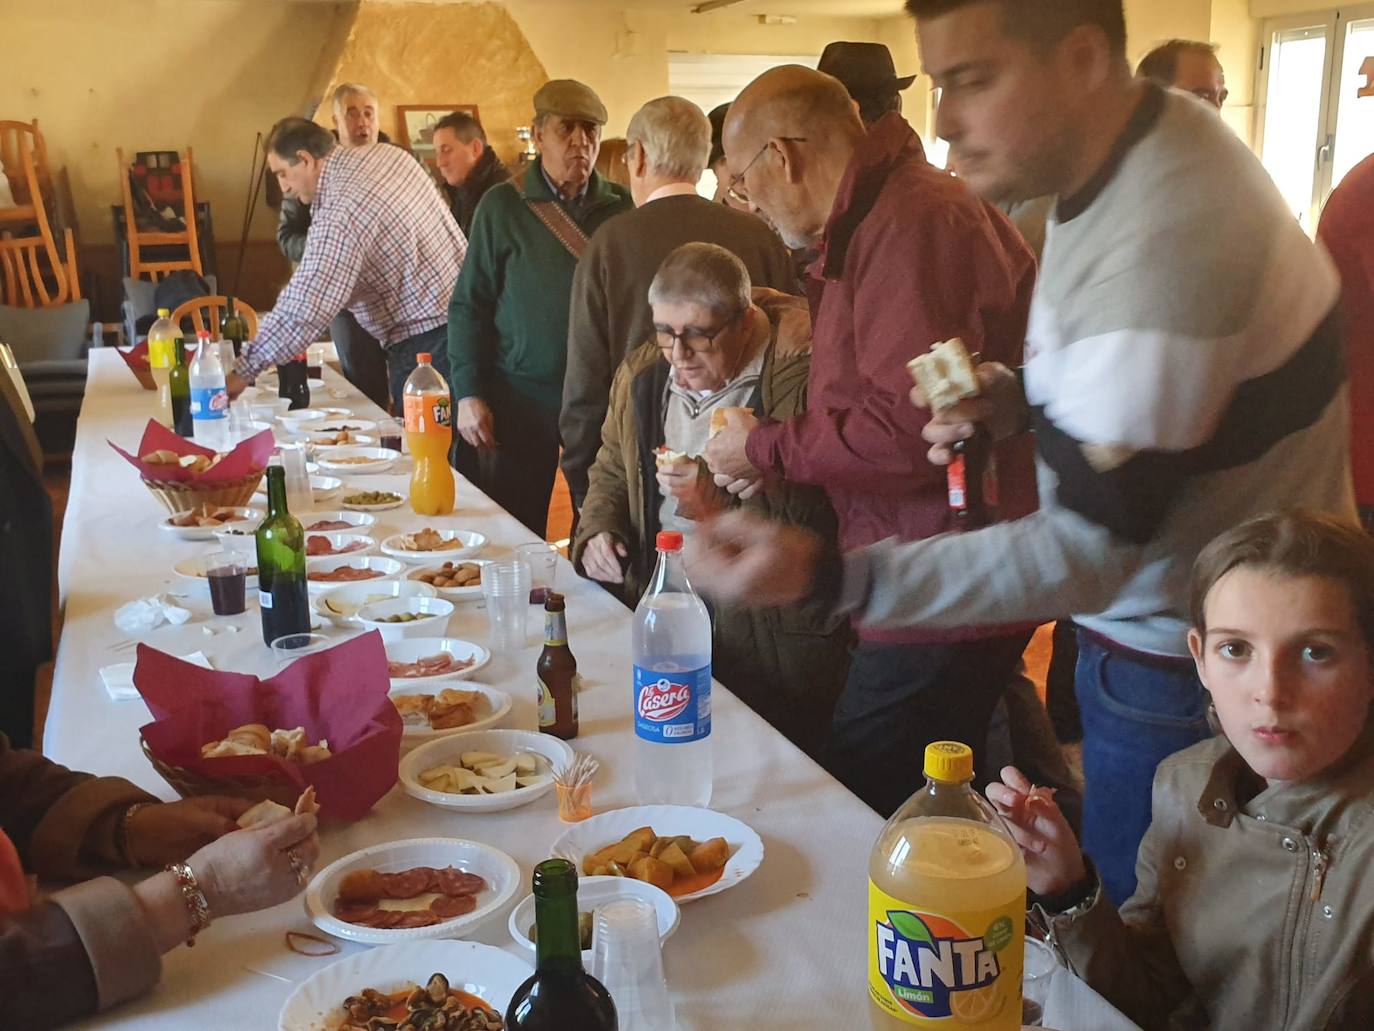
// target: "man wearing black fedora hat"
[[867, 71]]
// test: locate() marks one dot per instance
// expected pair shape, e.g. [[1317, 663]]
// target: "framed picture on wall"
[[417, 123]]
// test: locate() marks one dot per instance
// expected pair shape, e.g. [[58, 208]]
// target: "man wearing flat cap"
[[867, 71], [508, 320]]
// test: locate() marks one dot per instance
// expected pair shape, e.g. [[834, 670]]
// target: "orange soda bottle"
[[429, 434]]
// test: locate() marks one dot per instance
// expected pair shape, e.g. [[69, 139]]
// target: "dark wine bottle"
[[233, 326], [282, 590], [293, 381], [560, 996], [179, 388]]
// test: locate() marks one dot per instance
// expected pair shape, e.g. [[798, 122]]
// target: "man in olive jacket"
[[508, 318], [787, 664]]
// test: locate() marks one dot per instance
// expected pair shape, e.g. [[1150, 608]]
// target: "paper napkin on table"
[[138, 617], [119, 678]]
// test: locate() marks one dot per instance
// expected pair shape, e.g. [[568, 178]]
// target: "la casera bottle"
[[283, 593], [561, 995]]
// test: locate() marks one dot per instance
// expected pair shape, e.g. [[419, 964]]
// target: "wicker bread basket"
[[179, 496], [190, 784]]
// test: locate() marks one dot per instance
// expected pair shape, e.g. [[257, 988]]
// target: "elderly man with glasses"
[[508, 320], [908, 257], [714, 345]]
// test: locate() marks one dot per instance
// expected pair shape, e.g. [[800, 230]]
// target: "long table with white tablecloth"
[[785, 949]]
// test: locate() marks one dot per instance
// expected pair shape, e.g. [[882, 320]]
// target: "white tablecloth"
[[786, 948]]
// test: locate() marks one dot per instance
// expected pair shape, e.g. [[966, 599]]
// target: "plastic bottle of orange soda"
[[429, 433], [946, 907]]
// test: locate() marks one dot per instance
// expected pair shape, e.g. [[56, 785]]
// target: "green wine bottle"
[[283, 593], [560, 996], [233, 326], [179, 387]]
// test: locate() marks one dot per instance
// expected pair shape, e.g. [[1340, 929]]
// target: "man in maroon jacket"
[[908, 257]]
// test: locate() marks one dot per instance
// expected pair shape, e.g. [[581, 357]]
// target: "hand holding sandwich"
[[1000, 407]]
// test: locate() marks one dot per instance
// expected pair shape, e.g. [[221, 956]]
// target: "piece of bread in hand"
[[269, 812], [946, 374], [665, 457], [718, 419]]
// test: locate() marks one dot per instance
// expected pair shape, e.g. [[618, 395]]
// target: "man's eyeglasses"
[[694, 339], [736, 191]]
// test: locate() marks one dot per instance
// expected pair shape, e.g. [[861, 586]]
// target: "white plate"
[[434, 613], [386, 506], [555, 753], [268, 408], [338, 539], [360, 521], [473, 542], [351, 597], [415, 648], [322, 488], [499, 870], [316, 441], [207, 533], [746, 848], [491, 974], [389, 568], [293, 420], [191, 572], [453, 593], [597, 891], [498, 705], [379, 459], [333, 423]]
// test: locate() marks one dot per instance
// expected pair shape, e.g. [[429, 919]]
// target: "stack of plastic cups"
[[506, 588], [628, 961], [299, 497]]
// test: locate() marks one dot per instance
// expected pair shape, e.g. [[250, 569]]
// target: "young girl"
[[1255, 905]]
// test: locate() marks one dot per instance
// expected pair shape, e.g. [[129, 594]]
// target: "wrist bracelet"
[[196, 903], [122, 835]]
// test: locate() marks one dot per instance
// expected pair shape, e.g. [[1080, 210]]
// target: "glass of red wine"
[[227, 574]]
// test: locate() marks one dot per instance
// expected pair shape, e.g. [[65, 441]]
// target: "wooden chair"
[[139, 239], [34, 271], [197, 307]]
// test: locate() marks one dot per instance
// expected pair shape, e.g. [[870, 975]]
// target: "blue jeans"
[[1135, 714], [400, 361]]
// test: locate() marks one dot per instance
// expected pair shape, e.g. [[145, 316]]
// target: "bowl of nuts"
[[457, 581]]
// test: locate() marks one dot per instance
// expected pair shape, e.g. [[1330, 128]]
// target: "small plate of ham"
[[336, 542], [334, 522], [411, 890], [423, 660]]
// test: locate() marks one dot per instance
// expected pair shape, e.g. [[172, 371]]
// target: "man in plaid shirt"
[[382, 244]]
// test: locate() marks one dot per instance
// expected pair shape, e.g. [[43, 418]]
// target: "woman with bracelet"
[[99, 942], [1254, 908]]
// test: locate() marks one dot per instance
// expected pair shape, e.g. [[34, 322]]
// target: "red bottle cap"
[[423, 358], [669, 540]]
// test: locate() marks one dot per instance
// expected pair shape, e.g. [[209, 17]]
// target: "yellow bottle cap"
[[164, 313], [949, 762]]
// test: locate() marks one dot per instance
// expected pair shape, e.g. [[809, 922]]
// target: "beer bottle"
[[560, 995], [283, 593], [179, 387], [964, 477], [233, 327], [557, 672]]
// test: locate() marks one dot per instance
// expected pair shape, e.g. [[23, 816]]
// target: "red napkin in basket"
[[135, 357], [339, 695], [249, 457]]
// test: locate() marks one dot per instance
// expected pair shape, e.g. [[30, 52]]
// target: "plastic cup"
[[227, 575], [628, 960], [1038, 972], [506, 588], [542, 558], [286, 650]]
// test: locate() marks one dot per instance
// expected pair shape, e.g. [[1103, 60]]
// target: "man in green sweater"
[[508, 319]]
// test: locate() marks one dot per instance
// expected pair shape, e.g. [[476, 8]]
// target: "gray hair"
[[292, 135], [675, 135], [703, 274], [344, 89]]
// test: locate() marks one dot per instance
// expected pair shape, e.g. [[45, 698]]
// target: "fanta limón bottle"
[[946, 907]]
